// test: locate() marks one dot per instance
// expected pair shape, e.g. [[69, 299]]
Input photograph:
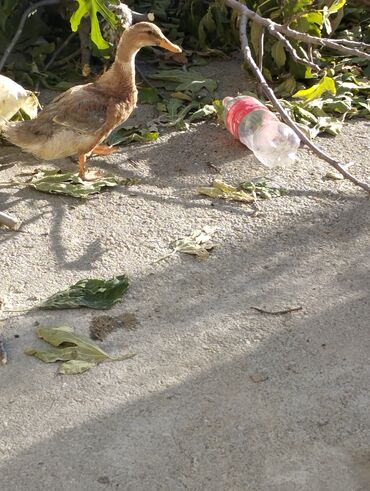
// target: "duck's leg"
[[87, 175], [103, 150], [83, 166]]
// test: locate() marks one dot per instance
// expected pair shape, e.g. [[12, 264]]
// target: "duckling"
[[77, 121]]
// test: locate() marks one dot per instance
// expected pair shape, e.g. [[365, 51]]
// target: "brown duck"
[[79, 120]]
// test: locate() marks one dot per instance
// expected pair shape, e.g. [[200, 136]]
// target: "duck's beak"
[[166, 44]]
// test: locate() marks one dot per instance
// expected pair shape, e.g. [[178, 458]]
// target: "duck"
[[77, 122]]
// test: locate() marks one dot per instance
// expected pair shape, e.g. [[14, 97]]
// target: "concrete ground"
[[219, 396]]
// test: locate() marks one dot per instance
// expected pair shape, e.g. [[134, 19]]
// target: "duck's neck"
[[122, 73]]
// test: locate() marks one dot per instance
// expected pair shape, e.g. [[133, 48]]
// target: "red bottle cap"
[[239, 110]]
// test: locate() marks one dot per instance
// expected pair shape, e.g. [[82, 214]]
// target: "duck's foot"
[[92, 175], [103, 150], [84, 174]]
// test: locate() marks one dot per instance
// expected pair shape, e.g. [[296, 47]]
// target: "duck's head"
[[148, 34]]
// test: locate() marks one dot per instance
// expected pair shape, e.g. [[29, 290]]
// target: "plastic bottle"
[[250, 121]]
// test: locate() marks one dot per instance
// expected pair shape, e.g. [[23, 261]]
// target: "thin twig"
[[289, 47], [261, 48], [16, 36], [60, 49], [286, 117], [278, 312], [336, 44], [9, 221], [68, 58]]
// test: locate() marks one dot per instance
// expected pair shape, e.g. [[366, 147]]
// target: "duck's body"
[[77, 121], [73, 123]]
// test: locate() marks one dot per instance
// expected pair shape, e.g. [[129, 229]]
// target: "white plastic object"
[[272, 142], [14, 97]]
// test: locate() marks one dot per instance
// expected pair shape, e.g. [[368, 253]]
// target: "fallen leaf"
[[204, 112], [77, 351], [69, 183], [74, 367], [198, 243], [334, 176], [314, 92], [148, 95], [125, 134], [92, 293], [262, 190], [220, 189]]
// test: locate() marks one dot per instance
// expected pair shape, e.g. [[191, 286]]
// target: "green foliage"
[[92, 8], [69, 183], [42, 34], [92, 293], [126, 133], [323, 107], [326, 84], [183, 96], [246, 192]]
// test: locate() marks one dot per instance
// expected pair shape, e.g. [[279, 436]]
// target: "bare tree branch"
[[335, 44], [286, 117], [9, 221], [289, 47]]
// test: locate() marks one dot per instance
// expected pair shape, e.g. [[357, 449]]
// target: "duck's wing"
[[82, 108]]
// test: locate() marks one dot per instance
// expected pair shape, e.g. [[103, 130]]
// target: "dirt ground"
[[220, 397]]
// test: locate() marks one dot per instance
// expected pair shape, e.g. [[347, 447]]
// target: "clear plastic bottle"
[[251, 122]]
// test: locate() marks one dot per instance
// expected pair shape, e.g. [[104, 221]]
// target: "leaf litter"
[[92, 293], [198, 243], [78, 352], [247, 192]]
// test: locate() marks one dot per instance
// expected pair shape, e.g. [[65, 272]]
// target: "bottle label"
[[237, 112]]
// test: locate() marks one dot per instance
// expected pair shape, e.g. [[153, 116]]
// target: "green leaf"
[[262, 190], [92, 293], [148, 95], [125, 134], [315, 17], [220, 110], [287, 87], [314, 92], [190, 80], [302, 114], [69, 183], [202, 113], [336, 5], [78, 352], [278, 54], [74, 367], [221, 190], [329, 125], [92, 8]]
